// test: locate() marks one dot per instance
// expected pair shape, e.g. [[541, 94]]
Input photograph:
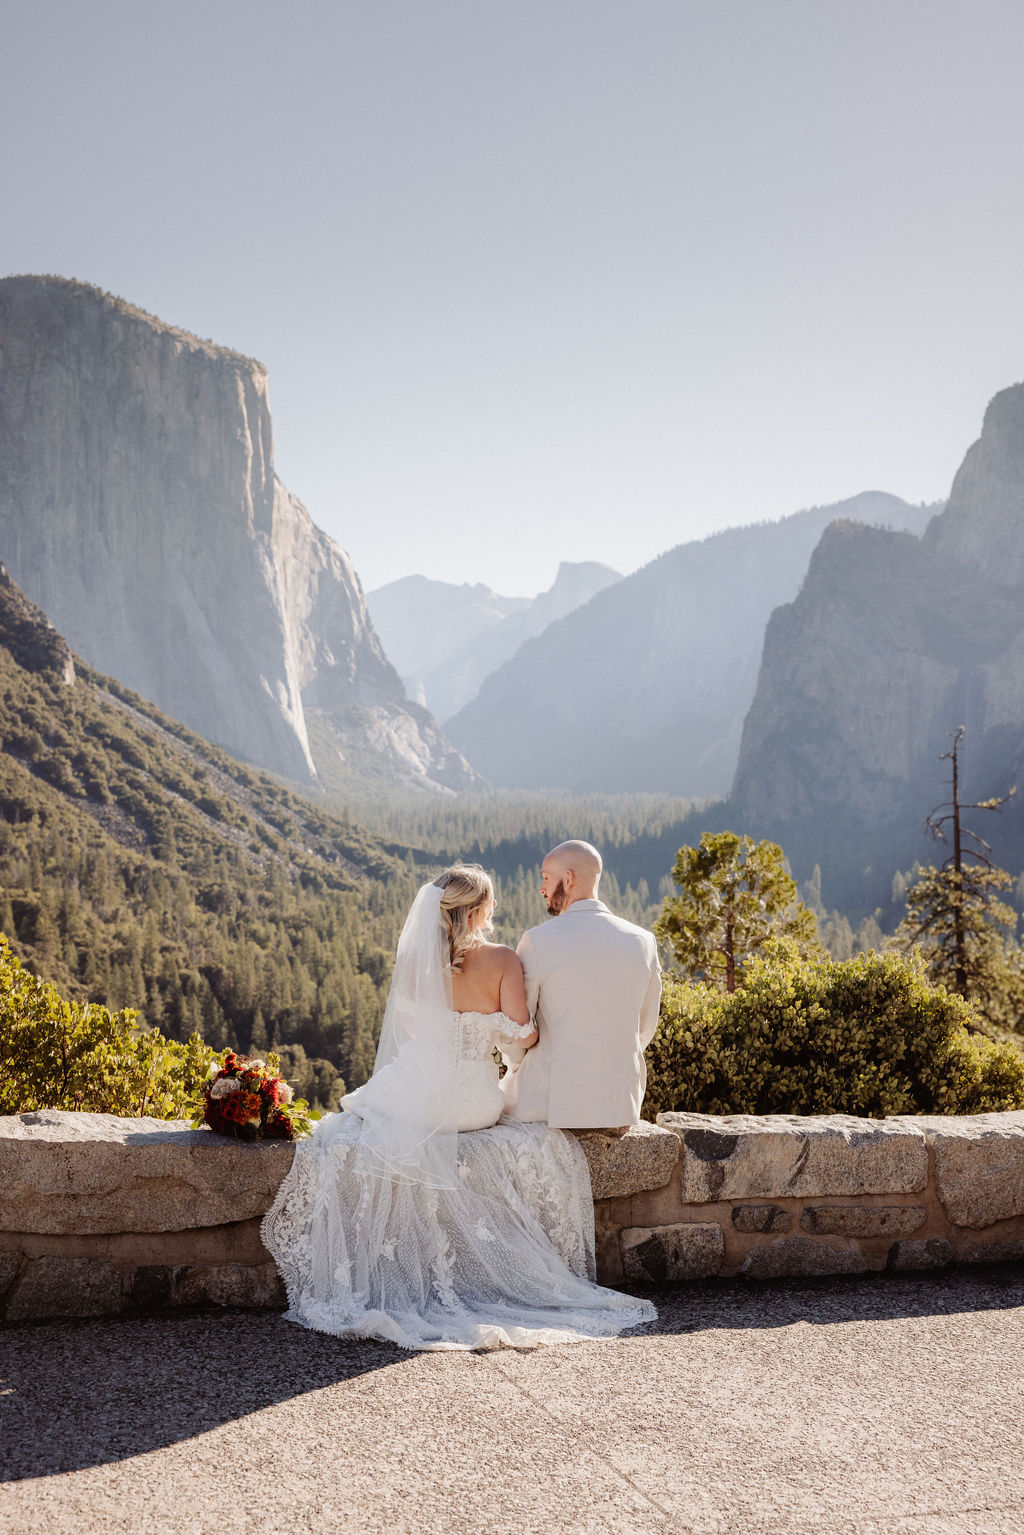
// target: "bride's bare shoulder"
[[496, 956], [504, 955]]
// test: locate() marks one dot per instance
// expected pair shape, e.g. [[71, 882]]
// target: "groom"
[[593, 984]]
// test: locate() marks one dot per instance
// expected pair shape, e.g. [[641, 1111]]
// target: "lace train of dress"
[[504, 1259]]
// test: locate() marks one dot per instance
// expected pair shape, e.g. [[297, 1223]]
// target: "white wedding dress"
[[501, 1254]]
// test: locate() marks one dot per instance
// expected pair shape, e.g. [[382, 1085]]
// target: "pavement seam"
[[668, 1522]]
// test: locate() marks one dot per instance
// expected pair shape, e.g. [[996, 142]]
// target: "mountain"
[[140, 866], [645, 687], [445, 639], [139, 507], [890, 645]]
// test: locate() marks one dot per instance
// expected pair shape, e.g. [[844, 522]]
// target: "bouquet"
[[250, 1100]]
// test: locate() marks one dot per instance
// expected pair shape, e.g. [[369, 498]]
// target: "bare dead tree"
[[969, 869]]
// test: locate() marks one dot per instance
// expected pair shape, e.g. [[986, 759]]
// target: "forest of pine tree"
[[142, 867]]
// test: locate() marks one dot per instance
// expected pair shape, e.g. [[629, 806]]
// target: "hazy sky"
[[538, 280]]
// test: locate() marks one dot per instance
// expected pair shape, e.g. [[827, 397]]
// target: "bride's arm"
[[512, 998]]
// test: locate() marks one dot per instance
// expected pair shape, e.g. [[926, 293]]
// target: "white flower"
[[286, 1093], [255, 1065], [224, 1086], [214, 1068]]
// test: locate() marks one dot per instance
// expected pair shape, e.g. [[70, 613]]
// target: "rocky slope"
[[139, 507], [140, 866], [30, 638], [446, 639], [891, 644], [645, 687]]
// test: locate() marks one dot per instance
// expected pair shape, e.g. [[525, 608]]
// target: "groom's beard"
[[556, 900]]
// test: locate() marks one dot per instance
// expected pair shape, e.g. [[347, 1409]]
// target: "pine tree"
[[259, 1040], [737, 898], [46, 937]]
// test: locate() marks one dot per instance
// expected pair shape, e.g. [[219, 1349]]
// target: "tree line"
[[142, 868]]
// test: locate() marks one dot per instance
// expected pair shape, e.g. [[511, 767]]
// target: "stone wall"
[[101, 1215], [775, 1195]]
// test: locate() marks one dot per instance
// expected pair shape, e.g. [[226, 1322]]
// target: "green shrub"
[[78, 1055], [864, 1036]]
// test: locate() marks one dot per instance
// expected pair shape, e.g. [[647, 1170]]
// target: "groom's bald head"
[[571, 872]]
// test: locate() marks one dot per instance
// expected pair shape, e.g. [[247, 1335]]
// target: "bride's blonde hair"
[[465, 887]]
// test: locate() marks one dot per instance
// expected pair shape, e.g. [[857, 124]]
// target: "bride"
[[413, 1215]]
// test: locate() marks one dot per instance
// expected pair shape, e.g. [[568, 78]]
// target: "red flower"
[[279, 1128], [215, 1117], [240, 1107]]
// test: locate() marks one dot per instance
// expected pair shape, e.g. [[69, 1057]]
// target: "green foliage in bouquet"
[[866, 1036], [56, 1054]]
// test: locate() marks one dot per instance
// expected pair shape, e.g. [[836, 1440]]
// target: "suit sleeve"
[[651, 1003]]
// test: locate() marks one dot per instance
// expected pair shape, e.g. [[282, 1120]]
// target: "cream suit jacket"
[[593, 985]]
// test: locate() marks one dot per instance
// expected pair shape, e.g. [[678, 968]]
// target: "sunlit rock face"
[[139, 507], [890, 645]]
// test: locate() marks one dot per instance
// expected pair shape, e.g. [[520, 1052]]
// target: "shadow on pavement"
[[834, 1299], [77, 1394]]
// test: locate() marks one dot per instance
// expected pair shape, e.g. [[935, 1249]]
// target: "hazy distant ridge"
[[645, 687], [445, 639]]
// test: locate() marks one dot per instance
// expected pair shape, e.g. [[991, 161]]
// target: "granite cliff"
[[139, 507], [891, 643], [645, 686]]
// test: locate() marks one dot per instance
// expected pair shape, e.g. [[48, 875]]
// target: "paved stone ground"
[[877, 1406]]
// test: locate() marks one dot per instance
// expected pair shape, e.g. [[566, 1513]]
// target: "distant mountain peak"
[[983, 523], [446, 639], [569, 569]]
